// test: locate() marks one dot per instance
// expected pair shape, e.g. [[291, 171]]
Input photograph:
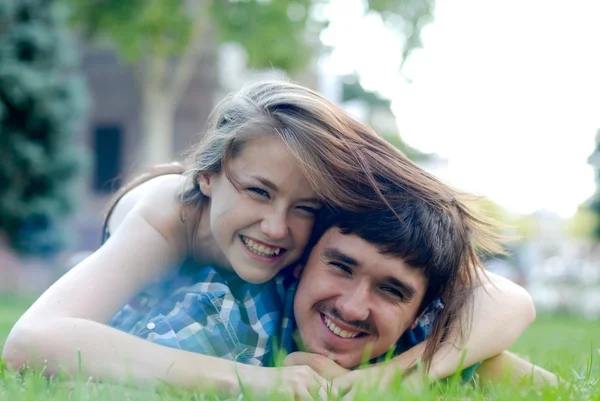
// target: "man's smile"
[[343, 332]]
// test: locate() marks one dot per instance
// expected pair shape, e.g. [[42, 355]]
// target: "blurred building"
[[112, 133]]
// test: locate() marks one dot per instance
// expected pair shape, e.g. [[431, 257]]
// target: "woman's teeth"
[[339, 332], [260, 249]]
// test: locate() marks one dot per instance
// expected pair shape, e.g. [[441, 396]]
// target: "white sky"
[[508, 91]]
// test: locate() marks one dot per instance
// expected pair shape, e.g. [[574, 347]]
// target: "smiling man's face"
[[353, 300]]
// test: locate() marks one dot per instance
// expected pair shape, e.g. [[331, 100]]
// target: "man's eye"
[[260, 192], [341, 266], [393, 292]]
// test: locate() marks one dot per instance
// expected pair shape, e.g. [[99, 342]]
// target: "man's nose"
[[275, 225], [354, 304]]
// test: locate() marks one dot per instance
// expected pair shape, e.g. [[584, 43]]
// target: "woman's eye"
[[310, 210], [259, 191]]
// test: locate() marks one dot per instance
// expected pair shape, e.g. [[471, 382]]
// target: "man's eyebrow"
[[407, 289], [335, 254], [269, 184]]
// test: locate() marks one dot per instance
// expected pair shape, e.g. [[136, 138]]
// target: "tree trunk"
[[157, 122], [164, 83]]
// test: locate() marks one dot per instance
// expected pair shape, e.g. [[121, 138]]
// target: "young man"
[[368, 291], [374, 282]]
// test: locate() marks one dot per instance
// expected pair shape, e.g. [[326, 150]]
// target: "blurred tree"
[[512, 226], [493, 211], [165, 40], [41, 101], [594, 202], [583, 224], [380, 108]]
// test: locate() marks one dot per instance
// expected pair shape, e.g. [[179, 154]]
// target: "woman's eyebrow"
[[267, 183], [271, 185]]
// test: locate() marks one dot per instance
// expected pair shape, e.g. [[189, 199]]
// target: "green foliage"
[[410, 152], [594, 207], [41, 102], [407, 17], [593, 204], [163, 39], [273, 33], [137, 28], [353, 90], [584, 224]]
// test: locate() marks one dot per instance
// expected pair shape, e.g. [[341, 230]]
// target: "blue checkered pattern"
[[408, 340], [208, 311], [214, 312]]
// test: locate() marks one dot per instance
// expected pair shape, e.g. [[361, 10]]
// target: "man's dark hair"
[[432, 239]]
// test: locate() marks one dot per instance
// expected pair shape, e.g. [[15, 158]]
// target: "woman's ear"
[[205, 181]]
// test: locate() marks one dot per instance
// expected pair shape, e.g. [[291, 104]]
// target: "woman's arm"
[[142, 248], [63, 330], [148, 242], [508, 366], [502, 310], [79, 346]]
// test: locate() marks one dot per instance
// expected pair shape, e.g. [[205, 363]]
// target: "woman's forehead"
[[268, 161]]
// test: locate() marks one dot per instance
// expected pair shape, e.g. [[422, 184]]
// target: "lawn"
[[563, 344]]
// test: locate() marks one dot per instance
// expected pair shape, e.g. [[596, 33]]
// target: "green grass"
[[565, 345], [11, 307]]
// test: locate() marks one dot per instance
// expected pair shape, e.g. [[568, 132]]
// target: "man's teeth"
[[260, 249], [339, 332]]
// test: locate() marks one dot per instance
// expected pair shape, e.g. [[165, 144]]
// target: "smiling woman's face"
[[353, 300], [264, 224]]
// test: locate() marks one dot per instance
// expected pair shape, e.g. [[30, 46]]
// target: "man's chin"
[[348, 360], [342, 359], [345, 361]]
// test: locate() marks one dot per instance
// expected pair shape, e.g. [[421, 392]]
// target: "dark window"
[[108, 141]]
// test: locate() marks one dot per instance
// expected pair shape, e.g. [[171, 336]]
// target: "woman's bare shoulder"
[[157, 200]]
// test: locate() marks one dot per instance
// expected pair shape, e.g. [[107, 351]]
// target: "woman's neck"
[[204, 247]]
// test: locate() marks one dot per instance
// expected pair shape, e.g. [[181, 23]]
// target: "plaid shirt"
[[409, 339], [208, 311], [217, 313]]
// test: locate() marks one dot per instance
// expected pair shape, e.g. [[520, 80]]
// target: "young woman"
[[240, 212]]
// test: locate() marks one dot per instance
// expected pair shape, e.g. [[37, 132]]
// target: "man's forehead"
[[333, 236], [367, 255], [350, 245]]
